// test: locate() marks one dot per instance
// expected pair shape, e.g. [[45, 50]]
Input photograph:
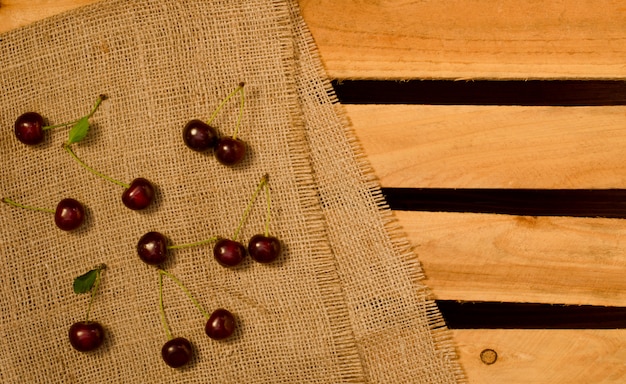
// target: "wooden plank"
[[543, 357], [469, 39], [483, 257], [18, 13], [433, 146]]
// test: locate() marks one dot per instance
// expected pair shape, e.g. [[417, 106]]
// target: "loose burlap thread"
[[344, 302]]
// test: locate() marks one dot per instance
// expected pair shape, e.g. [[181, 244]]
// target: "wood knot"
[[488, 356]]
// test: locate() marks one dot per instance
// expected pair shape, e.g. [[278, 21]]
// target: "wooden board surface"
[[512, 146], [544, 356], [482, 257], [470, 38], [488, 257]]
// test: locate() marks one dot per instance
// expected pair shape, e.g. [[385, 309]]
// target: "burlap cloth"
[[344, 302]]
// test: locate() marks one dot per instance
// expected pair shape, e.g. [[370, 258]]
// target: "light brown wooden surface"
[[16, 13], [486, 257], [470, 38], [474, 256], [493, 146], [544, 356]]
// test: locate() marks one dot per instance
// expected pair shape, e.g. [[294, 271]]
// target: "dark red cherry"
[[176, 352], [86, 335], [29, 128], [152, 248], [139, 195], [69, 214], [229, 253], [230, 151], [221, 324], [199, 136], [264, 249]]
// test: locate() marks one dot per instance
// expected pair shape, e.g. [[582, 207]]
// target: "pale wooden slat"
[[493, 146], [544, 357], [469, 39], [488, 257], [18, 13]]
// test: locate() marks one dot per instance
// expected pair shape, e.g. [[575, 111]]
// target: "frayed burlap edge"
[[441, 335]]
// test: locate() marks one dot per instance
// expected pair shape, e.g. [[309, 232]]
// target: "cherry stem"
[[168, 333], [241, 104], [93, 110], [247, 211], [269, 209], [189, 295], [219, 107], [18, 205], [94, 290], [79, 161], [189, 245]]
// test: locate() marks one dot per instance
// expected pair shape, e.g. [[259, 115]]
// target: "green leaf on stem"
[[79, 130], [84, 282]]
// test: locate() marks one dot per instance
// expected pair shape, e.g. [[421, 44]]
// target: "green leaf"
[[79, 130], [84, 282]]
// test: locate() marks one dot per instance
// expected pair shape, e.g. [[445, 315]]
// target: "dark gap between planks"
[[607, 203], [503, 315], [483, 92]]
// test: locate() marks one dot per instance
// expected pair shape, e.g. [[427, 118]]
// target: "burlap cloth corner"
[[343, 304]]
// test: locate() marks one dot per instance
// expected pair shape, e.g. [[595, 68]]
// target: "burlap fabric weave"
[[342, 304]]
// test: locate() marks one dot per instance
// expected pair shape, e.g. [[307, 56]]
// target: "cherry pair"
[[263, 248], [177, 351], [200, 136]]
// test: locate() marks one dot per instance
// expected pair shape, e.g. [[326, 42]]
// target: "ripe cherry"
[[139, 194], [199, 135], [177, 352], [230, 150], [220, 325], [264, 249], [29, 128], [69, 214], [229, 253], [152, 248], [86, 336]]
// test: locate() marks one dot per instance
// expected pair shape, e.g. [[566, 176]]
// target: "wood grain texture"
[[544, 356], [520, 258], [17, 13], [493, 146], [469, 39]]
